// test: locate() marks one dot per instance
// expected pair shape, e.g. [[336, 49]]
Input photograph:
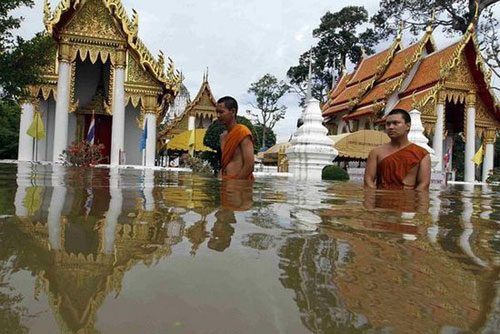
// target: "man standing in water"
[[398, 164], [236, 143]]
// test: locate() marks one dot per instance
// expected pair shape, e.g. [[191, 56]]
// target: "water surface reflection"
[[103, 250]]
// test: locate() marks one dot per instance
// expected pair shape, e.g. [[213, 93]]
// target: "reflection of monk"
[[222, 230], [236, 143], [236, 195], [398, 164], [403, 201]]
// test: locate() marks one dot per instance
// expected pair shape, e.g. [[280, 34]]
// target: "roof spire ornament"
[[309, 76], [431, 22], [476, 13], [47, 13], [401, 28]]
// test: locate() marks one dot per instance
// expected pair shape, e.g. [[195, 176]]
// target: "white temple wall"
[[44, 146], [132, 136]]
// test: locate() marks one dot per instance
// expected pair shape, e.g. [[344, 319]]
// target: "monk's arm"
[[371, 170], [424, 174], [246, 147]]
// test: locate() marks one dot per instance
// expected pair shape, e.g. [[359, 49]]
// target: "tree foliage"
[[21, 63], [454, 16], [339, 40], [270, 138], [267, 91]]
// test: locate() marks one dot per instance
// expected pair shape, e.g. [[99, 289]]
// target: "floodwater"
[[131, 251]]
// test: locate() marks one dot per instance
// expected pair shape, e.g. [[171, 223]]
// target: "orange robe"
[[231, 143], [392, 170]]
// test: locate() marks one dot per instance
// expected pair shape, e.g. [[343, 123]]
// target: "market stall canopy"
[[358, 144], [183, 140]]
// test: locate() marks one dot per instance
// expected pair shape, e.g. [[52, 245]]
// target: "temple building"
[[450, 87], [198, 114], [101, 71]]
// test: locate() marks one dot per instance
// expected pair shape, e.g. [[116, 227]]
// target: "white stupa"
[[310, 149], [416, 135]]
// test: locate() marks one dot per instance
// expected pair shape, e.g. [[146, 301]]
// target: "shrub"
[[494, 176], [82, 154], [200, 166], [332, 172]]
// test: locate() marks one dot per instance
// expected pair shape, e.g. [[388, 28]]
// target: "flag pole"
[[36, 140]]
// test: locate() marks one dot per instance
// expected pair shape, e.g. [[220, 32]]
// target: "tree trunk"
[[264, 136]]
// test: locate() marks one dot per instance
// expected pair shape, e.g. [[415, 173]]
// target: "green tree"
[[267, 91], [454, 16], [212, 140], [339, 40], [21, 63], [270, 138]]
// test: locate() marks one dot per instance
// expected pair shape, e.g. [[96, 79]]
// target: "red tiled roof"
[[359, 113], [340, 85], [346, 95], [368, 66], [335, 109], [406, 102], [377, 92], [428, 71], [397, 65]]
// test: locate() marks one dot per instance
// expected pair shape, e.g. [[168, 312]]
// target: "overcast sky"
[[238, 40]]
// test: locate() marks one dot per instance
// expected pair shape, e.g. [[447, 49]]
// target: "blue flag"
[[144, 137]]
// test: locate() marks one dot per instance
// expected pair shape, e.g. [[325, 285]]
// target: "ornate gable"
[[93, 20]]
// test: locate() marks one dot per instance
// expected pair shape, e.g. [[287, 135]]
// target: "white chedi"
[[310, 149], [416, 135]]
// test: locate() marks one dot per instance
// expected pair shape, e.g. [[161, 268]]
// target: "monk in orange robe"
[[398, 164], [236, 143]]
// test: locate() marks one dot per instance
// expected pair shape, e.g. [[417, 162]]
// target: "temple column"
[[150, 117], [118, 125], [470, 138], [437, 141], [191, 123], [25, 150], [62, 102], [489, 152], [56, 207]]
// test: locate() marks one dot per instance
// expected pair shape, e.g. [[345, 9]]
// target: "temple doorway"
[[454, 145], [102, 133]]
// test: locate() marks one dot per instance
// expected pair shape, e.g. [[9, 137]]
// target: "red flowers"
[[83, 154]]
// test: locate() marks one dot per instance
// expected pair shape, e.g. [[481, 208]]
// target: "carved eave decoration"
[[101, 37]]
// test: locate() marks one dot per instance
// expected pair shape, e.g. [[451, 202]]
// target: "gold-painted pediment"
[[460, 77], [138, 75], [94, 20]]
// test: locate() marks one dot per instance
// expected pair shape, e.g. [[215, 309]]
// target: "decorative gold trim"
[[471, 100], [64, 51], [490, 136], [73, 102], [108, 106]]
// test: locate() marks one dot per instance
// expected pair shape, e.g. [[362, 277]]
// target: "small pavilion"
[[100, 69], [450, 87]]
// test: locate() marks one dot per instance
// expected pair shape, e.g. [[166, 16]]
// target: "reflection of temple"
[[100, 68], [450, 87], [380, 272], [85, 241]]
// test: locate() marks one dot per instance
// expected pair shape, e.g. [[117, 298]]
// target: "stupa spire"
[[309, 76]]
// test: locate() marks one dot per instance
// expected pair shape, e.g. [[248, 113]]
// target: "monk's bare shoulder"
[[374, 153], [223, 136]]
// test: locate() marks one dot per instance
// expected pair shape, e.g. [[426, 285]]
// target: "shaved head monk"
[[398, 164], [236, 143]]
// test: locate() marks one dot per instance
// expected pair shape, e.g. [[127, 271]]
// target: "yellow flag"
[[33, 199], [36, 129], [478, 157], [191, 142]]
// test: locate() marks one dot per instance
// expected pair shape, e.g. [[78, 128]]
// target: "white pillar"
[[23, 179], [56, 206], [437, 141], [114, 211], [118, 127], [489, 152], [62, 109], [470, 139], [191, 123], [25, 150], [468, 210], [148, 186], [151, 140]]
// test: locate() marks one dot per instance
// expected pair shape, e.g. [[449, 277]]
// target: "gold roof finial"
[[431, 22], [47, 13], [401, 28], [476, 13]]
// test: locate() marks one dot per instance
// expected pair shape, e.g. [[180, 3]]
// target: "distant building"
[[450, 87]]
